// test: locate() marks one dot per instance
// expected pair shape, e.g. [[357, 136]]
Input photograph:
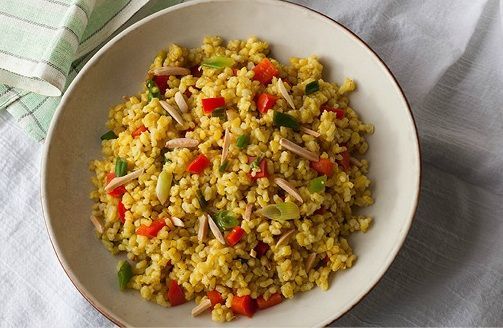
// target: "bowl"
[[119, 68]]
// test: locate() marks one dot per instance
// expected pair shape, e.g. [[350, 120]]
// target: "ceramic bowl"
[[118, 69]]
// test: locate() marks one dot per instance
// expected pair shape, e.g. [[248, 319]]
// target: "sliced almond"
[[97, 224], [177, 222], [248, 212], [286, 186], [169, 223], [119, 181], [285, 94], [285, 237], [172, 111], [310, 261], [203, 228], [253, 253], [355, 161], [225, 146], [170, 70], [214, 229], [182, 143], [310, 132], [181, 103], [201, 308], [302, 152]]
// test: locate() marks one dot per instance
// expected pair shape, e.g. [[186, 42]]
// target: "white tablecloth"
[[448, 56]]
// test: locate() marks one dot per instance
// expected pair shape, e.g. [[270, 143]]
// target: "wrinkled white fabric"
[[448, 57]]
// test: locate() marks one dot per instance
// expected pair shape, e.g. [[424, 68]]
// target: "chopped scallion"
[[242, 141], [256, 163], [225, 220], [317, 185], [120, 167], [218, 62], [152, 90], [223, 167], [312, 87], [202, 201], [109, 136], [282, 119], [281, 212], [219, 112]]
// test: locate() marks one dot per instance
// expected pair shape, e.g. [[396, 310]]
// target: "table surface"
[[448, 57]]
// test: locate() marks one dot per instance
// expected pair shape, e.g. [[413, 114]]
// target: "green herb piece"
[[282, 119], [225, 220], [125, 273], [281, 212], [312, 87], [223, 167], [163, 186], [202, 201], [242, 141], [152, 90], [219, 112], [218, 62], [109, 136], [256, 163], [120, 167], [317, 184]]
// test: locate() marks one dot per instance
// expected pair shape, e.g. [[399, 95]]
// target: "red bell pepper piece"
[[198, 164], [215, 297], [235, 236], [265, 71], [117, 192], [136, 133], [195, 71], [263, 170], [152, 230], [274, 299], [326, 259], [265, 102], [261, 249], [175, 294], [339, 113], [243, 305], [323, 166], [345, 162], [162, 82], [121, 211], [210, 104]]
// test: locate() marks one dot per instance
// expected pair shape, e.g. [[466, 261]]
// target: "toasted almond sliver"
[[285, 94], [202, 307], [177, 222], [310, 261], [169, 223], [248, 212], [180, 101], [97, 224], [172, 111], [214, 229], [182, 143], [119, 181], [286, 186], [253, 253], [170, 70], [225, 146], [285, 237], [293, 147], [310, 132], [203, 227]]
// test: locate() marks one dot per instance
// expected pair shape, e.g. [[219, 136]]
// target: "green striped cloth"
[[45, 43]]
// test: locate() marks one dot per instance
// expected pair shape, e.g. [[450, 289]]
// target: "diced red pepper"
[[152, 230], [162, 83], [187, 93], [265, 71], [339, 113], [235, 236], [215, 297], [136, 133], [175, 294], [323, 166], [198, 164], [117, 192], [261, 249], [244, 305], [121, 211], [210, 104], [326, 259], [265, 102], [274, 299], [345, 162], [263, 170], [195, 71], [235, 71]]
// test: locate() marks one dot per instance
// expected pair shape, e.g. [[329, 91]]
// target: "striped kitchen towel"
[[45, 43]]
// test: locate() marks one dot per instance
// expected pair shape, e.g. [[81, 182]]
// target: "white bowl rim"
[[85, 293]]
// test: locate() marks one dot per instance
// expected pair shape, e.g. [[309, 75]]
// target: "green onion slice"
[[125, 274], [202, 201], [109, 136], [163, 186], [242, 141], [317, 184], [312, 87], [152, 90], [219, 112], [225, 220], [223, 167], [282, 119], [281, 212], [120, 167], [218, 62]]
